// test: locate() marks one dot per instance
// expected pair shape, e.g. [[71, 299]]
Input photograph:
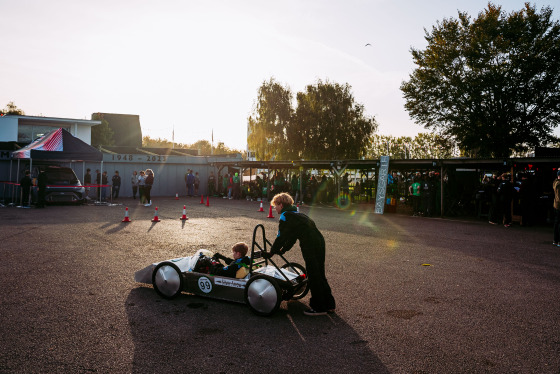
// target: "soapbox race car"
[[262, 285]]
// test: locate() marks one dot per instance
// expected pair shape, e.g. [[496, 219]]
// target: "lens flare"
[[342, 201]]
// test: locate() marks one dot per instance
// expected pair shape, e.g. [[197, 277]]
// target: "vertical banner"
[[382, 185]]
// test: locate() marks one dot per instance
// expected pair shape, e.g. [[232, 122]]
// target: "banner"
[[382, 185]]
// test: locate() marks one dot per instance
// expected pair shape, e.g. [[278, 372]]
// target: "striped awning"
[[51, 141]]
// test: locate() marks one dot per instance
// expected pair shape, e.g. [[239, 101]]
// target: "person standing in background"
[[196, 183], [134, 183], [189, 179], [142, 186], [87, 182], [116, 184], [211, 184], [148, 188], [104, 182], [25, 184], [98, 182]]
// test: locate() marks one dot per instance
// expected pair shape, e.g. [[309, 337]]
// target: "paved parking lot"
[[414, 295]]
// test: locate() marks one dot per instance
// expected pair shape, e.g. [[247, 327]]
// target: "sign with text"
[[5, 155], [382, 185], [135, 158]]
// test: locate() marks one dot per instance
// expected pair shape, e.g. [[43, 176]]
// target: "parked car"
[[63, 186]]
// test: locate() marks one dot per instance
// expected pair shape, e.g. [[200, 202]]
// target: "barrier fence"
[[12, 193]]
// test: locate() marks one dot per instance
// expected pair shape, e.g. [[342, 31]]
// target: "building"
[[126, 128], [24, 129]]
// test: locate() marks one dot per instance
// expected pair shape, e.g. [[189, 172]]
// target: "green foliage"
[[423, 146], [11, 108], [327, 123], [101, 134], [492, 84], [149, 142], [222, 149], [203, 146], [271, 117]]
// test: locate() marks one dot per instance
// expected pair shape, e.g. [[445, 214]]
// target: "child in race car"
[[213, 266]]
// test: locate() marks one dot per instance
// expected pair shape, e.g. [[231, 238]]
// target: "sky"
[[193, 68]]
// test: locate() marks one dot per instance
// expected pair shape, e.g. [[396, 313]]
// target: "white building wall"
[[83, 132], [9, 127]]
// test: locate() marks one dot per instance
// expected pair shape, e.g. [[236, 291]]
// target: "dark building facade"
[[126, 129]]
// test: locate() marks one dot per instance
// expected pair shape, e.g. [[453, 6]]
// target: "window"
[[25, 133], [28, 133]]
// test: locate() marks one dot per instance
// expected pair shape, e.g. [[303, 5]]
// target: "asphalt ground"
[[414, 295]]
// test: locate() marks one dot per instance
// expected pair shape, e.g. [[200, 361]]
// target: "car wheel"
[[263, 295], [301, 291], [167, 280]]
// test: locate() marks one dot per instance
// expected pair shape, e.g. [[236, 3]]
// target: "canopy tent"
[[59, 145]]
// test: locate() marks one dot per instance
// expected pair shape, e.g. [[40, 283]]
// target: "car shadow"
[[213, 336]]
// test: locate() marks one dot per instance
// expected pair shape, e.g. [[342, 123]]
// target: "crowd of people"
[[485, 195], [491, 195], [141, 183], [312, 188]]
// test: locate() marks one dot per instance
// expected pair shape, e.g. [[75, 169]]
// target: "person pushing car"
[[294, 226]]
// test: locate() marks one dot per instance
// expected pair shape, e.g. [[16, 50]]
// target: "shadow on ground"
[[209, 335]]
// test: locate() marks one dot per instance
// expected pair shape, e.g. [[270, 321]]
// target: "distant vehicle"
[[63, 186]]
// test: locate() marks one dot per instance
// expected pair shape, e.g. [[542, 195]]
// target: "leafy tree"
[[11, 108], [203, 146], [387, 145], [327, 123], [150, 142], [101, 134], [424, 145], [271, 115], [222, 149], [492, 84], [430, 145]]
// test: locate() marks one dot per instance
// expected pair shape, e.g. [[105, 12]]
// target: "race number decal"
[[204, 284]]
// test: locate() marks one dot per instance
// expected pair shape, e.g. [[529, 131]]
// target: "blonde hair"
[[240, 247], [282, 198]]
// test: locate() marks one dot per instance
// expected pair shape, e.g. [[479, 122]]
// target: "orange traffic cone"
[[261, 208], [156, 218], [176, 196], [202, 199], [207, 200], [184, 216], [270, 213], [126, 219]]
